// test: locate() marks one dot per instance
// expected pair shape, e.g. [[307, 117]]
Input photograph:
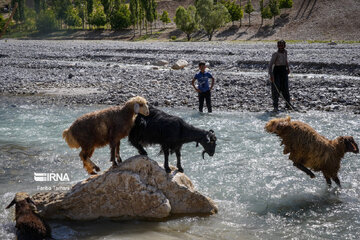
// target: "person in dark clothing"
[[203, 88], [279, 71]]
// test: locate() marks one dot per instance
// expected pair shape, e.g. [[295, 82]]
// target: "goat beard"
[[203, 154]]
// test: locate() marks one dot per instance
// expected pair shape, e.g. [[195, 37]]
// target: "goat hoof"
[[97, 168], [168, 170], [312, 176], [93, 173], [180, 169]]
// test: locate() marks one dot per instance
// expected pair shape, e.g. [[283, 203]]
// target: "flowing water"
[[259, 193]]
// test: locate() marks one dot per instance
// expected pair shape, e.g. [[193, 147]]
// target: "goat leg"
[[140, 148], [328, 181], [117, 152], [337, 181], [178, 163], [304, 169], [166, 162], [112, 154], [85, 155]]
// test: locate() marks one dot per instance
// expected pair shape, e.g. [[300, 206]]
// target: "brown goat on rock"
[[99, 128], [308, 149], [30, 226]]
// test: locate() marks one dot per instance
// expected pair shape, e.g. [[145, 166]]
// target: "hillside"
[[306, 20], [319, 20]]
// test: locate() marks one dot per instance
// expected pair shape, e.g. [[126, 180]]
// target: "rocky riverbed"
[[324, 77]]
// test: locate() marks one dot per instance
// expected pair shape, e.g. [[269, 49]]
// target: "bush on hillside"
[[46, 21], [186, 21], [121, 18], [285, 4]]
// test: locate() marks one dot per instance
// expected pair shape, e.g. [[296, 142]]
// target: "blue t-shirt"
[[203, 81]]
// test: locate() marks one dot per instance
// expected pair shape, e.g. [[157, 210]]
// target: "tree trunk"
[[249, 19], [274, 23]]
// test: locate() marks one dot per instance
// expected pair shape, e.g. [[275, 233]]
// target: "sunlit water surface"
[[259, 193]]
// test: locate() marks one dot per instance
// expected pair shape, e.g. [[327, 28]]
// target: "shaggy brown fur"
[[30, 226], [99, 128], [308, 149]]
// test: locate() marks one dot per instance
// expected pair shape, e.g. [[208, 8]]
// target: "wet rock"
[[138, 188]]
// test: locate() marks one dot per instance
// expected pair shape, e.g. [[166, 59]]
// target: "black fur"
[[171, 133], [29, 224]]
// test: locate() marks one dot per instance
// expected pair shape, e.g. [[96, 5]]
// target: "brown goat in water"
[[30, 226], [99, 128], [308, 149]]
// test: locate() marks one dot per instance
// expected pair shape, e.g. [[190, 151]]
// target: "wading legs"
[[304, 169]]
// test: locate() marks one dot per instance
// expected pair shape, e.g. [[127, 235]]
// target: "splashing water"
[[259, 193]]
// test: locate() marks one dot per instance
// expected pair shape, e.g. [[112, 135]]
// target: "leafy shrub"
[[165, 17], [285, 4], [98, 17], [121, 18], [46, 21], [186, 21], [72, 17]]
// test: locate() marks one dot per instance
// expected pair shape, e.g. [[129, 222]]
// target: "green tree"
[[121, 18], [2, 22], [46, 21], [81, 9], [249, 9], [261, 3], [266, 13], [90, 9], [19, 15], [60, 8], [212, 16], [134, 13], [72, 17], [235, 11], [98, 17], [186, 21], [274, 9], [106, 4], [153, 11], [285, 4], [37, 5], [165, 18]]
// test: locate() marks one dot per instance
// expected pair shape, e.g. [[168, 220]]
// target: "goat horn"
[[12, 203]]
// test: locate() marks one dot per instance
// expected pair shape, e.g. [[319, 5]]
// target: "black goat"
[[30, 226], [171, 133]]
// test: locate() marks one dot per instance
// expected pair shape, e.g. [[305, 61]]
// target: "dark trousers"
[[281, 81], [205, 95]]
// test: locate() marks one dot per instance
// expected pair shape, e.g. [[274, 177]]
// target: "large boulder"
[[180, 64], [137, 188]]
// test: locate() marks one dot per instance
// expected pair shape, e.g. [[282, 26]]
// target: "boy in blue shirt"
[[203, 88]]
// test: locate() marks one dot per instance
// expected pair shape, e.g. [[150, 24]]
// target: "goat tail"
[[69, 138]]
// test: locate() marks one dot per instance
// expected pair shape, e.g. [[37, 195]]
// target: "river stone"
[[180, 64], [161, 63], [136, 189]]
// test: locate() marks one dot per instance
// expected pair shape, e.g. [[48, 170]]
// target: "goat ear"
[[12, 203], [136, 108]]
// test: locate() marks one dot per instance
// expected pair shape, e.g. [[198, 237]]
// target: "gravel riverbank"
[[324, 77]]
